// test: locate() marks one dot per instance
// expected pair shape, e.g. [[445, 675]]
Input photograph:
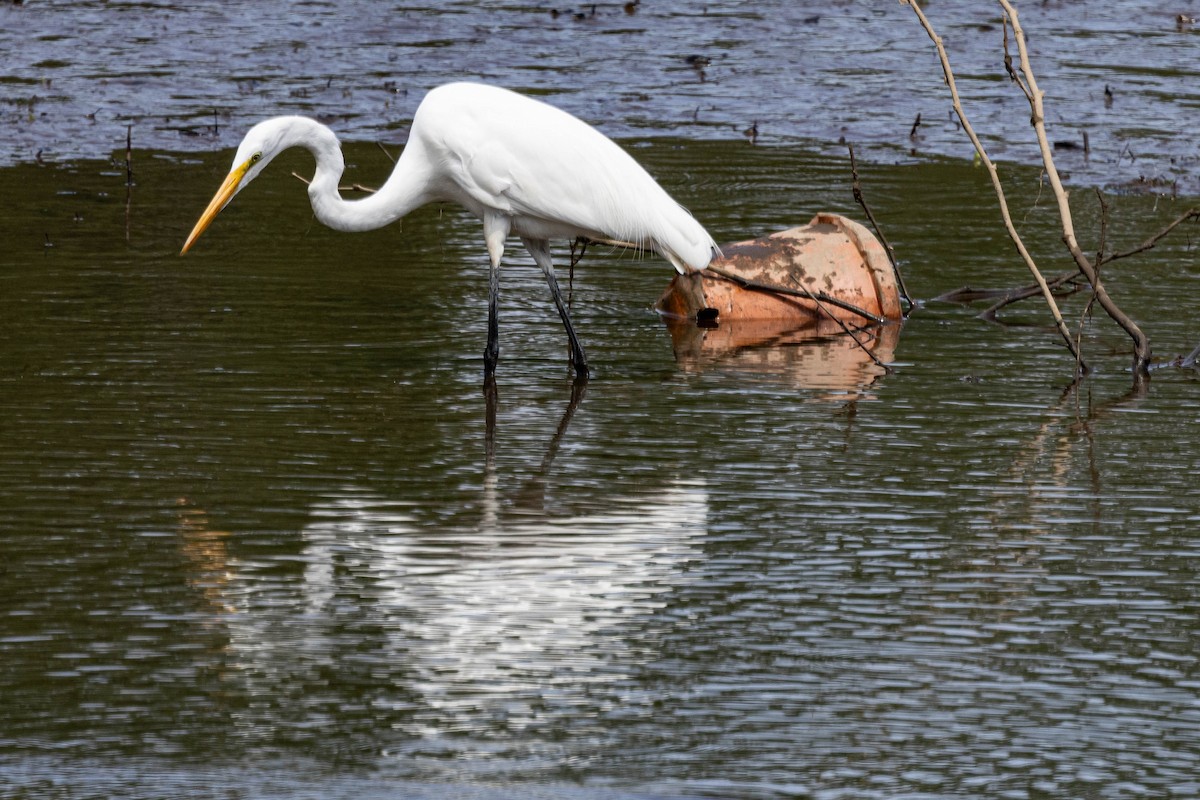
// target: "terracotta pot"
[[831, 256]]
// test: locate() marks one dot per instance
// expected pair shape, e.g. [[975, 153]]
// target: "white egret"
[[520, 165]]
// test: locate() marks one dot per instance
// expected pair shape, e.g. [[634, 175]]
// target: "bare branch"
[[1191, 213], [1141, 354], [1032, 290], [1060, 324]]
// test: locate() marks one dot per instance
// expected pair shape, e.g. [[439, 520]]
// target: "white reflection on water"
[[490, 619]]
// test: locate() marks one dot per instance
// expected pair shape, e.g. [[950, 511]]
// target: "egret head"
[[264, 141]]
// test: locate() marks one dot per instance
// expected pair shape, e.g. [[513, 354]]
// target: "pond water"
[[262, 535], [195, 76]]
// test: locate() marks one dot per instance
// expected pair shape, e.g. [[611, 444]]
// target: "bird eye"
[[255, 158]]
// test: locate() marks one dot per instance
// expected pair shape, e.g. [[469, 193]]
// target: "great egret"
[[520, 165]]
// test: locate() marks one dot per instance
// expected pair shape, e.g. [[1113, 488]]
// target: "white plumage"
[[522, 166]]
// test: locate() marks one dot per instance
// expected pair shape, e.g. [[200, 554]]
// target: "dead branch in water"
[[1068, 282], [856, 188], [1141, 343], [1087, 271], [1064, 284], [1190, 214], [1046, 292]]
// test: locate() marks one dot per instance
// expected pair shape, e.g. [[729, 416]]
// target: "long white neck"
[[406, 189]]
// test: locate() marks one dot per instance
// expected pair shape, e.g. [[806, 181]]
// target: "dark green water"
[[261, 535], [254, 543]]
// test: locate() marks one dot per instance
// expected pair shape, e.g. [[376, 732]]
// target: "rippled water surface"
[[262, 535], [196, 76]]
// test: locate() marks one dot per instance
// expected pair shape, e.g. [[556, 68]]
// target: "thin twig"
[[1059, 322], [353, 187], [1191, 213], [1083, 318], [969, 294], [1190, 359], [128, 181], [1100, 248], [613, 243], [856, 187], [1008, 65], [582, 244], [129, 155], [760, 286], [1032, 290], [861, 345], [843, 325]]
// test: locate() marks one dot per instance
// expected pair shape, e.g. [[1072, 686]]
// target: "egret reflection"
[[486, 618]]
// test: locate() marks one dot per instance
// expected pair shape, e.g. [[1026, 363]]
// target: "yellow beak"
[[223, 195]]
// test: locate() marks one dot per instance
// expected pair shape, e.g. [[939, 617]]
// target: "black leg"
[[492, 353], [541, 254], [495, 231], [578, 357]]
